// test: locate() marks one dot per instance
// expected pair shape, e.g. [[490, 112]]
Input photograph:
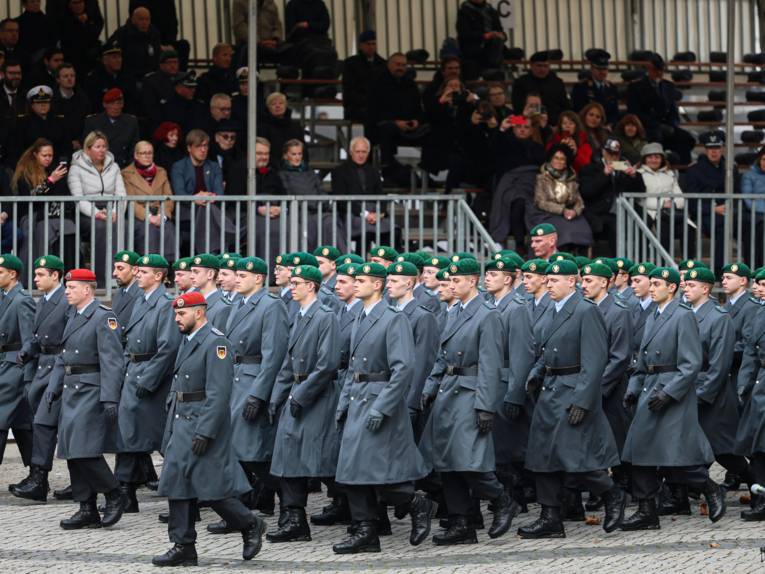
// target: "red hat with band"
[[113, 95], [193, 299], [81, 275]]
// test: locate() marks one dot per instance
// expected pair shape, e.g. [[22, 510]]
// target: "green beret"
[[406, 268], [760, 274], [11, 262], [467, 266], [562, 267], [412, 258], [327, 251], [129, 257], [505, 264], [207, 260], [443, 274], [581, 261], [608, 262], [349, 258], [224, 256], [460, 255], [438, 261], [543, 229], [738, 268], [49, 262], [252, 265], [597, 269], [182, 264], [308, 272], [687, 264], [503, 253], [623, 264], [372, 270], [538, 266], [384, 252], [283, 259], [669, 274], [349, 269], [301, 258], [228, 260], [642, 269], [153, 260], [562, 256], [701, 274]]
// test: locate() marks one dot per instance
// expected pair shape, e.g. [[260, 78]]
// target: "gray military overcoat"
[[426, 335], [218, 309], [750, 436]]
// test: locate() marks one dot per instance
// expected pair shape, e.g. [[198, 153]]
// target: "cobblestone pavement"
[[31, 541]]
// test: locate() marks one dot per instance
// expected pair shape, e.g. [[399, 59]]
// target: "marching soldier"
[[326, 257], [378, 456], [430, 266], [640, 284], [306, 390], [204, 273], [383, 255], [152, 342], [282, 274], [199, 462], [621, 283], [87, 378], [40, 350], [17, 312], [446, 296], [574, 351], [424, 298], [464, 389], [662, 387], [125, 268], [182, 275], [227, 277]]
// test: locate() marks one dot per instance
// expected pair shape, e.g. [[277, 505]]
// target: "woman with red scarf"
[[571, 133]]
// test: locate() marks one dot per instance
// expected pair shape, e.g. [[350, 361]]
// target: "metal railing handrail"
[[634, 216]]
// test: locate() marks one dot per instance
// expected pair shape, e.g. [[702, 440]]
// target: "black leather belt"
[[248, 359], [81, 369], [299, 377], [653, 369], [10, 347], [561, 371], [371, 377], [52, 350], [762, 364], [141, 357], [190, 397], [462, 371]]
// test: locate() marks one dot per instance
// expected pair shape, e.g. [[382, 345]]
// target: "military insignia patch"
[[587, 270], [694, 274], [296, 260], [145, 260], [540, 232], [231, 263], [399, 269], [249, 266], [620, 264], [559, 258], [400, 258], [691, 264], [556, 268], [500, 264], [665, 274], [298, 271], [455, 258], [434, 261], [533, 267], [446, 275], [221, 351], [347, 260], [351, 270], [182, 265], [367, 268], [112, 322], [641, 269], [380, 252], [179, 303], [126, 257], [197, 260], [325, 251], [453, 268], [278, 259], [734, 268], [42, 262], [497, 255]]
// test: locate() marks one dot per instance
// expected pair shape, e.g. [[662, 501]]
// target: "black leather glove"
[[22, 358], [426, 401], [295, 408], [110, 410], [658, 401], [340, 420], [413, 414], [484, 421], [199, 444], [576, 415], [534, 381], [252, 407], [50, 398], [142, 392], [512, 411], [742, 395], [374, 420], [272, 408], [629, 400]]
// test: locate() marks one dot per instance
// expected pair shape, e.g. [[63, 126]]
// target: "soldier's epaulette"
[[274, 296], [91, 116], [104, 307], [619, 302], [21, 116], [169, 297], [721, 309], [216, 332], [394, 309], [520, 299], [326, 308], [591, 302], [757, 301], [489, 305], [225, 301], [686, 306]]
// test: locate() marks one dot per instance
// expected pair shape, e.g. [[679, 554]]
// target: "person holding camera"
[[572, 134]]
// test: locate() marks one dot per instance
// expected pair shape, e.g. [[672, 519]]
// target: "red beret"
[[113, 95], [81, 275], [193, 299]]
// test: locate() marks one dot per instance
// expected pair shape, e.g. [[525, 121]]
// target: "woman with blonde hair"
[[593, 117]]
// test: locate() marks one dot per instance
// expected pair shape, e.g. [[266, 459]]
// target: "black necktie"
[[656, 314]]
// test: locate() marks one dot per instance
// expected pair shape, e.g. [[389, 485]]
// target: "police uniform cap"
[[668, 274], [111, 48], [541, 56], [125, 256], [49, 262], [252, 265], [167, 55], [713, 138]]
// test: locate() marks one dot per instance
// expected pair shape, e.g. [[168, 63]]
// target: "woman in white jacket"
[[658, 177], [94, 174]]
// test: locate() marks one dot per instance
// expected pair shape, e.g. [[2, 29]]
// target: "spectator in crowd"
[[570, 133], [37, 174], [229, 155], [158, 87], [12, 104], [219, 110], [600, 182], [519, 153], [654, 100], [94, 173], [707, 175], [38, 123], [154, 219], [80, 24], [167, 149], [277, 126], [537, 113], [450, 68], [140, 45], [9, 43], [753, 182], [631, 134], [270, 29], [239, 111], [108, 74], [557, 201], [183, 107], [474, 147], [220, 78], [164, 18], [36, 30], [395, 117], [120, 129], [8, 226], [308, 44], [546, 83], [480, 36], [597, 88], [44, 71], [593, 118], [70, 103], [201, 177], [659, 177], [306, 18], [497, 96], [358, 72], [267, 183]]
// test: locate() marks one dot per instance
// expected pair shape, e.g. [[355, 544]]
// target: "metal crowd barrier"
[[33, 227]]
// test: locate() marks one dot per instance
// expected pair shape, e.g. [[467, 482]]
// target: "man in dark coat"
[[44, 72], [220, 78], [199, 462], [542, 80], [183, 107], [358, 72], [10, 43], [158, 87], [71, 103], [108, 75], [79, 25], [663, 388], [597, 88], [40, 122], [120, 129], [37, 30], [267, 183], [12, 104], [480, 36], [140, 44]]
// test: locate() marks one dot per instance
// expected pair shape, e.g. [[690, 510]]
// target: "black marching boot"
[[594, 503], [152, 480], [36, 488], [757, 512], [337, 512], [460, 531], [296, 528], [129, 498], [86, 517], [63, 494], [383, 522], [615, 501], [548, 525], [676, 502], [715, 496], [178, 555], [252, 538], [572, 509], [505, 509], [113, 509], [24, 482], [645, 518], [421, 510], [363, 539]]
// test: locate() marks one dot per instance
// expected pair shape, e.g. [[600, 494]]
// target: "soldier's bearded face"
[[187, 318], [123, 273], [593, 286]]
